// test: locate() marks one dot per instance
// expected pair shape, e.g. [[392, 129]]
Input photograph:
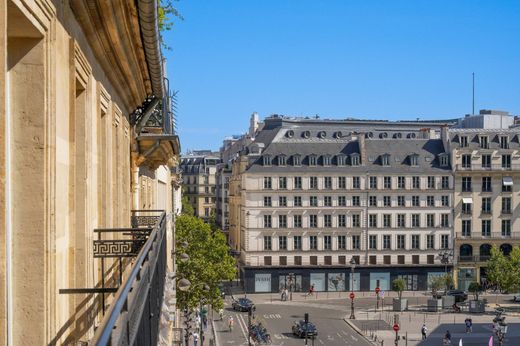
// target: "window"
[[387, 242], [401, 241], [486, 228], [466, 207], [267, 242], [486, 161], [430, 241], [400, 201], [445, 241], [312, 160], [282, 201], [313, 221], [506, 161], [313, 260], [506, 205], [340, 159], [342, 201], [463, 141], [206, 212], [373, 182], [416, 241], [268, 260], [504, 142], [372, 242], [444, 160], [401, 220], [313, 201], [445, 182], [356, 242], [430, 220], [445, 201], [401, 183], [328, 182], [387, 201], [507, 183], [466, 161], [326, 160], [431, 182], [282, 260], [327, 220], [466, 228], [297, 201], [297, 242], [267, 221], [342, 183], [354, 159], [385, 160], [327, 242], [282, 243], [387, 220], [297, 183], [298, 260], [400, 259], [282, 221], [206, 200], [281, 160], [296, 160], [445, 220], [506, 228], [356, 201], [416, 220], [484, 142], [342, 220], [313, 183], [414, 160], [297, 221], [486, 184], [268, 184], [372, 201], [282, 183], [372, 220], [387, 182], [416, 182], [313, 242], [267, 160], [356, 183], [267, 201], [466, 184], [342, 242], [356, 220], [430, 201], [415, 201], [486, 205], [327, 201]]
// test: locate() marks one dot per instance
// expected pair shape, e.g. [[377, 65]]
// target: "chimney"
[[253, 124], [362, 150]]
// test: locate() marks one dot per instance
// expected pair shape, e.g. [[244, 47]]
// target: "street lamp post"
[[352, 267], [291, 278], [445, 259]]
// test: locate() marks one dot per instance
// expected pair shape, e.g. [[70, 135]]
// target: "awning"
[[507, 181], [467, 200]]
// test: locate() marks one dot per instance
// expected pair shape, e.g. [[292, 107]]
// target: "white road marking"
[[272, 316], [353, 337], [321, 342], [242, 324]]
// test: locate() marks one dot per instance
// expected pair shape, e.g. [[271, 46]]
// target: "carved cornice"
[[112, 29]]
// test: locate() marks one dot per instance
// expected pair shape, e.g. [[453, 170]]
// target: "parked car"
[[300, 327], [460, 296], [516, 297], [243, 304]]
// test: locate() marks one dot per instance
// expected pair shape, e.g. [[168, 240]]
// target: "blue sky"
[[364, 59]]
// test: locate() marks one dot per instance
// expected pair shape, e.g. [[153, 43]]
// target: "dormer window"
[[267, 160], [296, 159], [444, 160], [312, 160], [385, 160], [281, 160], [340, 160], [354, 159], [414, 160], [484, 142], [463, 141], [326, 160], [504, 142]]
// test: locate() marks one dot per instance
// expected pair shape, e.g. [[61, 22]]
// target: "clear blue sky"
[[365, 59]]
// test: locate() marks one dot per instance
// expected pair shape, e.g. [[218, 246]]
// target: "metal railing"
[[490, 236], [133, 316], [493, 167]]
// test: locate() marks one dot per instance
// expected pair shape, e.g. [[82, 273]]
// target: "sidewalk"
[[208, 332]]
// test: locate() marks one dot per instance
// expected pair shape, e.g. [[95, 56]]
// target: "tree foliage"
[[504, 271], [399, 285], [166, 14], [209, 263], [187, 208], [475, 288]]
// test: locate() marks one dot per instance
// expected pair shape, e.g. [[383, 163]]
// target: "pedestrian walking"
[[285, 293], [205, 322], [311, 290], [469, 325], [423, 331], [230, 323], [282, 298], [195, 338], [221, 314]]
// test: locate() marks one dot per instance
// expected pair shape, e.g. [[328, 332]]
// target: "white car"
[[516, 297]]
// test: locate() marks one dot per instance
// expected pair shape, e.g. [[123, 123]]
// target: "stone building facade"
[[308, 196], [89, 138]]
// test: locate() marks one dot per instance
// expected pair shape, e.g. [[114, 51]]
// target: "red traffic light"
[[396, 327], [378, 290], [352, 295]]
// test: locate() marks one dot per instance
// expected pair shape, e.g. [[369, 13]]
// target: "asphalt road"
[[278, 318]]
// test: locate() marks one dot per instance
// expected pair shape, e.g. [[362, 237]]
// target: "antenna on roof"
[[473, 109]]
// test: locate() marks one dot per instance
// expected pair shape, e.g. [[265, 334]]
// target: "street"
[[278, 318]]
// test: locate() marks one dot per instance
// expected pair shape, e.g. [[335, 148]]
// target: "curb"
[[357, 330], [214, 333]]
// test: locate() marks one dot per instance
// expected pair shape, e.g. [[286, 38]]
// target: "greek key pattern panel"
[[144, 221], [118, 248]]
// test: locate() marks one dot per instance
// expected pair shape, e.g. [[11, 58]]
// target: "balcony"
[[486, 168], [473, 259], [490, 236]]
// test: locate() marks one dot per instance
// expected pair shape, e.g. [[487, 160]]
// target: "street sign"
[[352, 295], [396, 327], [378, 290]]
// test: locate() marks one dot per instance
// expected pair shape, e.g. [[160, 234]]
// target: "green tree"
[[166, 13], [399, 285], [209, 263], [504, 271], [437, 283], [187, 208], [475, 288]]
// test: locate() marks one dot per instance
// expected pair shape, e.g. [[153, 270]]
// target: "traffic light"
[[306, 317]]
